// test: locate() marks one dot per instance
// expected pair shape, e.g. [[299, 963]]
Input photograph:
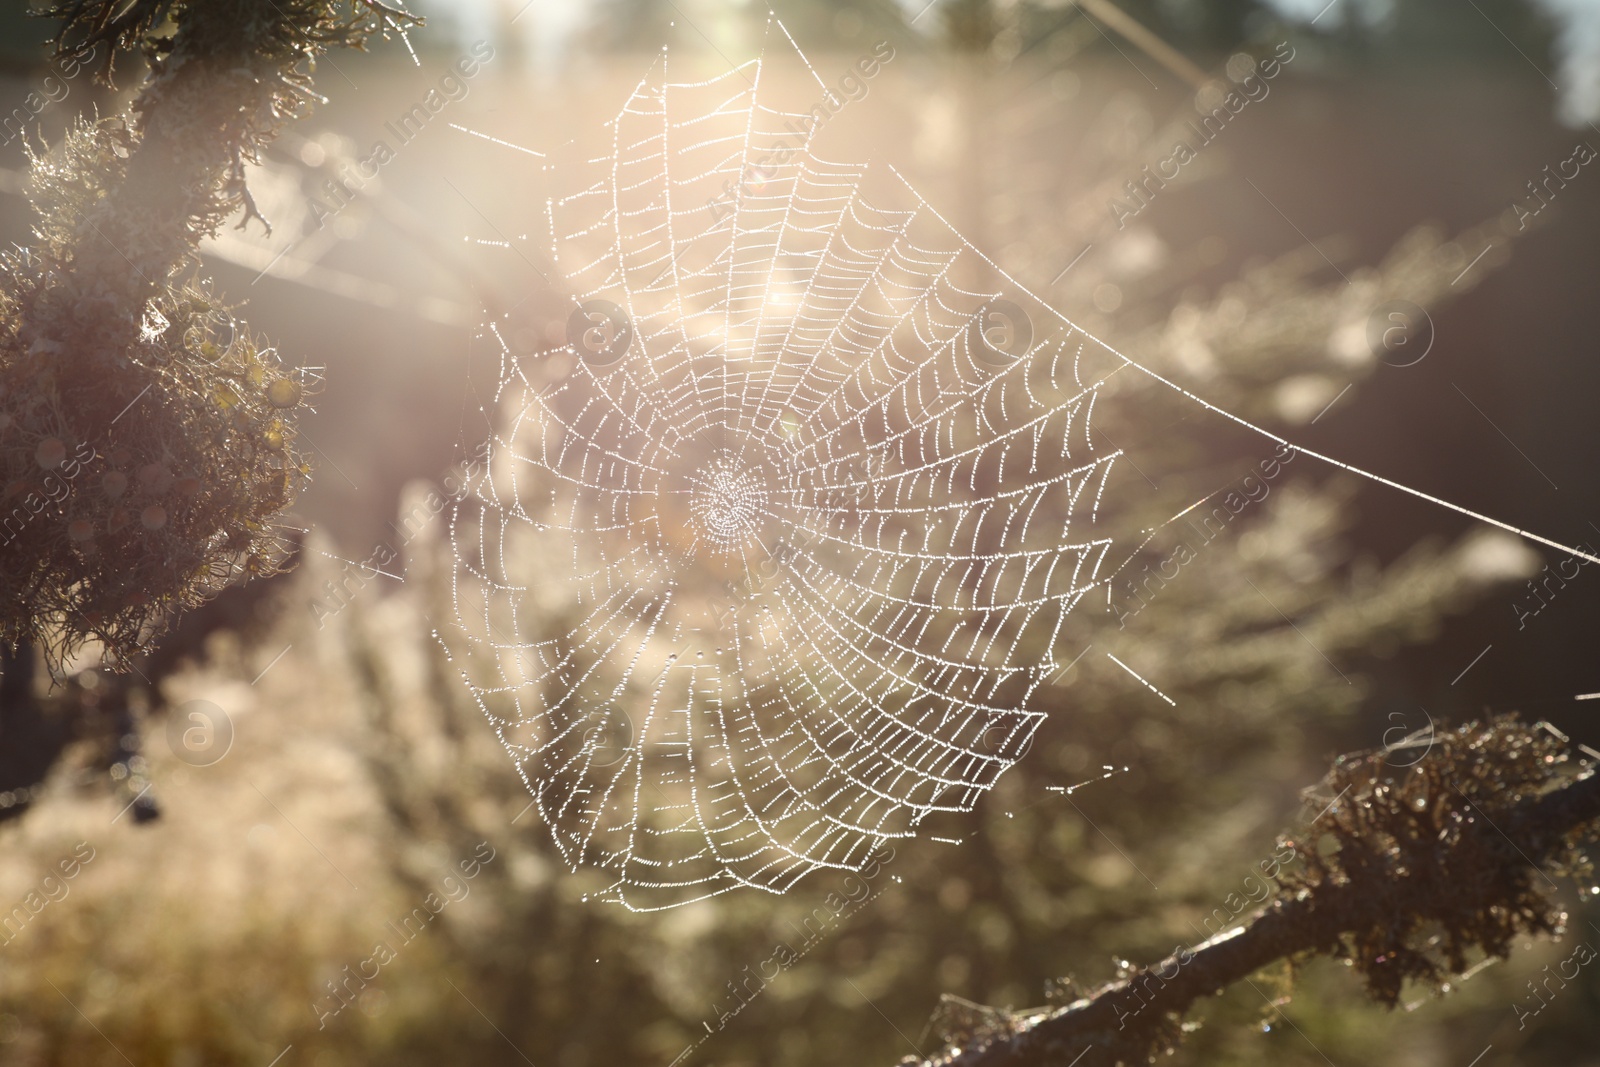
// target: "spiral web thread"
[[784, 578]]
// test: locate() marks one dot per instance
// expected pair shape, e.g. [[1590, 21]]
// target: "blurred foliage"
[[364, 775]]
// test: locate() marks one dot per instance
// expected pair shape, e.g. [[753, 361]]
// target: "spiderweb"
[[776, 572]]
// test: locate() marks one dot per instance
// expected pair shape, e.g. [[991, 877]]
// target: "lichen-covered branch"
[[222, 84], [147, 439], [1411, 873]]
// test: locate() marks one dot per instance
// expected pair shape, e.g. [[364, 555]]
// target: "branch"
[[1433, 863], [147, 440]]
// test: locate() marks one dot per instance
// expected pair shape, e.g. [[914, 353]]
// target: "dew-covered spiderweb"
[[775, 571]]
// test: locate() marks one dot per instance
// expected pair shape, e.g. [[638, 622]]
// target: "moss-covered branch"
[[147, 440], [1411, 873]]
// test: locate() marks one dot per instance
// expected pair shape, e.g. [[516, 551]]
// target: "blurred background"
[[1391, 161]]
